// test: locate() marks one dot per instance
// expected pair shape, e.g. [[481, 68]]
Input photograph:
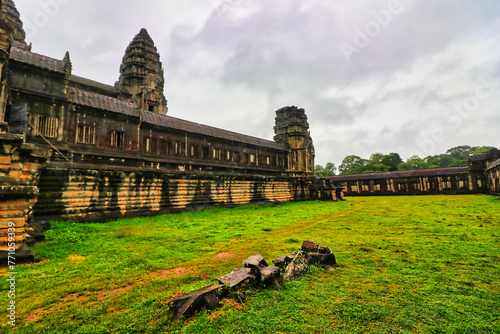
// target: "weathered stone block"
[[269, 273], [24, 254], [297, 267], [237, 277], [284, 260], [310, 246], [256, 262], [192, 302], [5, 161], [321, 258]]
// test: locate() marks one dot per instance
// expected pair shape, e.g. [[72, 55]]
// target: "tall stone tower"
[[11, 16], [141, 75], [292, 130], [6, 40]]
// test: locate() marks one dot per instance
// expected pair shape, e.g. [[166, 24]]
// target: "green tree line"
[[378, 162]]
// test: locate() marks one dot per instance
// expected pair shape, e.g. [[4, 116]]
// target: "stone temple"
[[75, 149]]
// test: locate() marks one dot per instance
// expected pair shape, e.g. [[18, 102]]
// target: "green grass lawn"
[[413, 264]]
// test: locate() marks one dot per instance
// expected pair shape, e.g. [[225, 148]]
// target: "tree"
[[392, 160], [328, 170], [415, 162], [349, 163], [331, 168], [460, 152], [376, 158], [440, 160]]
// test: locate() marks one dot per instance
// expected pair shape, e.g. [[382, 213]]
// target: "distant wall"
[[454, 180], [493, 177], [77, 192]]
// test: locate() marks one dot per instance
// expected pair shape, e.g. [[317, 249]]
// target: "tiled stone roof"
[[205, 130], [92, 83], [495, 164], [37, 60], [402, 174], [101, 102]]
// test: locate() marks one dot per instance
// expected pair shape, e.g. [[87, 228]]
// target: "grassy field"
[[413, 264]]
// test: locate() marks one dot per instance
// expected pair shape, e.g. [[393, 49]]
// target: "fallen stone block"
[[284, 260], [321, 259], [256, 263], [237, 277], [297, 267], [207, 297], [310, 246], [270, 273]]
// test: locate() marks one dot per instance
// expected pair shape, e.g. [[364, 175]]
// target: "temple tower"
[[6, 40], [292, 130], [11, 16], [141, 75]]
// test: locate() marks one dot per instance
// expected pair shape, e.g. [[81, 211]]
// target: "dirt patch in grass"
[[36, 315], [114, 292], [74, 296], [176, 272], [225, 255]]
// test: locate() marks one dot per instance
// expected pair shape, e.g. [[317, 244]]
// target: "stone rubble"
[[255, 272]]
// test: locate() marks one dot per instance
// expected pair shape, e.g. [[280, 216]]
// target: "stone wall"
[[19, 174], [493, 177], [453, 180], [84, 193]]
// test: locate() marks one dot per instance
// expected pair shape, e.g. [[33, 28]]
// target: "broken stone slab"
[[321, 259], [297, 267], [187, 304], [261, 269], [324, 250], [270, 273], [309, 246], [256, 263], [237, 277], [284, 260]]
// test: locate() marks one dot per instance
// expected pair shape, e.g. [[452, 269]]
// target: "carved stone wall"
[[493, 177], [88, 194], [20, 166]]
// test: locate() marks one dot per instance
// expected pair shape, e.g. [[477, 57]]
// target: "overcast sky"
[[409, 76]]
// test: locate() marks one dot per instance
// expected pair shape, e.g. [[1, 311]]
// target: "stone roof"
[[205, 130], [93, 84], [477, 156], [494, 165], [37, 60], [103, 102], [402, 174]]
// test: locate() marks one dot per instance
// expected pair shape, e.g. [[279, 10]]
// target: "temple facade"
[[75, 149]]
